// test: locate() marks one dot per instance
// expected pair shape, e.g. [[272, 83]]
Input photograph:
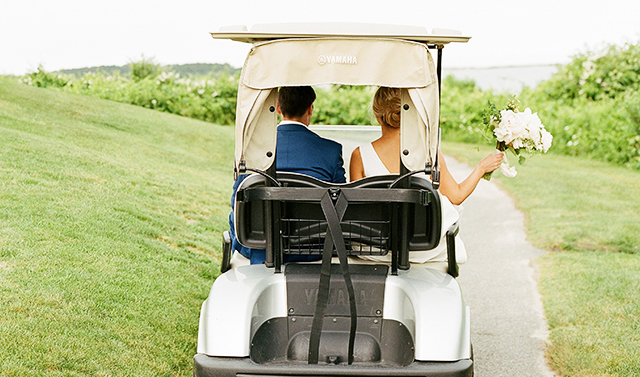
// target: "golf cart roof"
[[267, 32], [343, 54]]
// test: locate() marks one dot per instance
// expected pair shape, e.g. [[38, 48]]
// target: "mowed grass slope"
[[110, 224], [587, 215]]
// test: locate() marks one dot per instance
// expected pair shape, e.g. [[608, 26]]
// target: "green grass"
[[587, 214], [592, 305], [110, 223]]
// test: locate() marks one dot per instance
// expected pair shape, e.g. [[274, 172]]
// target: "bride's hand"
[[491, 162]]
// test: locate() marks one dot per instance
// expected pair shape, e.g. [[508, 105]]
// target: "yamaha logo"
[[337, 59]]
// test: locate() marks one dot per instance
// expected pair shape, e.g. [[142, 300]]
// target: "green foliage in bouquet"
[[520, 132], [491, 118]]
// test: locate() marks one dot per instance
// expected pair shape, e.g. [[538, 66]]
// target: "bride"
[[382, 157]]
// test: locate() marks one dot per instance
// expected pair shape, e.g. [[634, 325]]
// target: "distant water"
[[504, 79]]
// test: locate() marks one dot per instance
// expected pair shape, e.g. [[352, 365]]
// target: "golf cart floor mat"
[[378, 341]]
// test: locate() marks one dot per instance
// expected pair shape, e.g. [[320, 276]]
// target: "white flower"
[[515, 125], [547, 138], [504, 131], [532, 123], [518, 132]]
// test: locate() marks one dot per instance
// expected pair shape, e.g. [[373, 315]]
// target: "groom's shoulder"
[[328, 143]]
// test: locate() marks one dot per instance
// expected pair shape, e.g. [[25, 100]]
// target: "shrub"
[[211, 98], [44, 79], [144, 68], [592, 105], [607, 130], [343, 104], [462, 108], [609, 73]]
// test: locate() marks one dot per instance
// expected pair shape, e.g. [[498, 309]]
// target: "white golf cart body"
[[261, 319]]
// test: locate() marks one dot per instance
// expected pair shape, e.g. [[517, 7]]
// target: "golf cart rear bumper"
[[208, 366]]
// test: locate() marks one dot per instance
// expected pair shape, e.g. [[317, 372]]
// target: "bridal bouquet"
[[519, 132]]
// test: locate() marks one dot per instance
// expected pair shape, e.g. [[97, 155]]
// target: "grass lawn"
[[587, 214], [110, 224]]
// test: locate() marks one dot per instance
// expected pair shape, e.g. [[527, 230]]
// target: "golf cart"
[[337, 317]]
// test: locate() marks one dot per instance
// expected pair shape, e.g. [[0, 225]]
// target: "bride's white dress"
[[450, 215]]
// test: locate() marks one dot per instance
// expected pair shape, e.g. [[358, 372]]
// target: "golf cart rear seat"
[[374, 219]]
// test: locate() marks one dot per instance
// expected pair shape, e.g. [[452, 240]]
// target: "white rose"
[[547, 138], [532, 124], [504, 131], [519, 127]]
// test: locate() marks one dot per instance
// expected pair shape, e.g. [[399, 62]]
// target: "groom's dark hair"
[[295, 100]]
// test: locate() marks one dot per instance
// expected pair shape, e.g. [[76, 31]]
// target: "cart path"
[[508, 326]]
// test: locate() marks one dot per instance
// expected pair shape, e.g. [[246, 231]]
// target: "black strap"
[[313, 194], [333, 224], [321, 301], [333, 215]]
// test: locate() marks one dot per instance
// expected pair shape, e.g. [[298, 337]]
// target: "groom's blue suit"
[[298, 150]]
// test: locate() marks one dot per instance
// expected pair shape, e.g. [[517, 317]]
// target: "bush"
[[592, 105], [145, 68], [43, 79], [462, 108], [610, 73], [343, 104], [211, 98], [608, 129]]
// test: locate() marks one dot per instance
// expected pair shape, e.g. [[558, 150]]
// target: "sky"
[[69, 34]]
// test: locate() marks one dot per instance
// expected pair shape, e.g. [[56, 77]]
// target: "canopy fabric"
[[296, 62], [345, 61]]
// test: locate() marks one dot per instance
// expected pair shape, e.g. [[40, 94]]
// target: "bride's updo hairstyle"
[[386, 106]]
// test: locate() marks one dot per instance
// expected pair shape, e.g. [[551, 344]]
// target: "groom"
[[298, 150]]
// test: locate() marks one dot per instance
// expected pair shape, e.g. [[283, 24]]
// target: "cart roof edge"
[[267, 32]]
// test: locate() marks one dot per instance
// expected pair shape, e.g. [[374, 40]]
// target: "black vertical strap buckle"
[[333, 214]]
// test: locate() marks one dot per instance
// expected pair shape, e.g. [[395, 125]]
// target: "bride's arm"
[[458, 192], [356, 169]]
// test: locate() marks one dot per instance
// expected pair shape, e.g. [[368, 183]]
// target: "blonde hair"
[[386, 106]]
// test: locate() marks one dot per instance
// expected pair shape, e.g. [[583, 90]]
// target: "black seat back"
[[377, 219]]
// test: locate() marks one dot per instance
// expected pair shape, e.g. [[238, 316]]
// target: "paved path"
[[508, 327]]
